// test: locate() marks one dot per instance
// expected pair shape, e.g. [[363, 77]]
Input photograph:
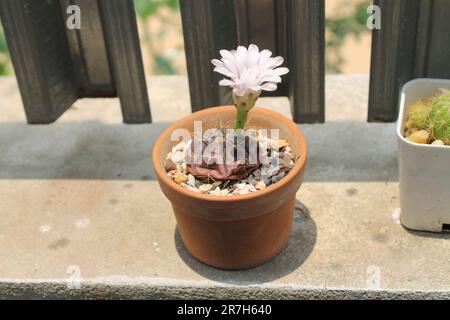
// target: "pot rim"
[[402, 110], [298, 166]]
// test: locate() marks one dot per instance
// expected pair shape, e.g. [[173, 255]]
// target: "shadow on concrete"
[[351, 151], [338, 151], [84, 150], [300, 245], [431, 235]]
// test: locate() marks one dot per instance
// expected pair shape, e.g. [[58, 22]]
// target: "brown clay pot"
[[240, 231]]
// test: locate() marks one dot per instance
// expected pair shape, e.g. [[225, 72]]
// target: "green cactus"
[[418, 115], [439, 118]]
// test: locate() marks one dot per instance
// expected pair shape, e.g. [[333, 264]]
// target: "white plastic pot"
[[424, 169]]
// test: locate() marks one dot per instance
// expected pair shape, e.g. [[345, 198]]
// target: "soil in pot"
[[272, 160]]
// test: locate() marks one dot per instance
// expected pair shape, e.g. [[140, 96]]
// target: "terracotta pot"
[[241, 231]]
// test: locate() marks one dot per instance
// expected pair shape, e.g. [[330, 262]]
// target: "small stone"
[[278, 177], [168, 163], [205, 188], [215, 192], [287, 157], [178, 157], [260, 185], [273, 171], [244, 191], [438, 143], [171, 173], [252, 181], [224, 192], [280, 144], [265, 160], [216, 184], [257, 174], [420, 137], [241, 186], [191, 180], [251, 188], [192, 189], [180, 177]]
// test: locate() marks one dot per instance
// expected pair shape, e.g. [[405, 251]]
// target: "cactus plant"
[[431, 116], [418, 115], [439, 118]]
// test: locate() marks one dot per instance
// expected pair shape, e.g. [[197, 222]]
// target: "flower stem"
[[241, 118], [243, 105]]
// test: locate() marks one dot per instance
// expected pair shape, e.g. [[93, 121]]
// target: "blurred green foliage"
[[146, 9], [5, 60], [339, 28]]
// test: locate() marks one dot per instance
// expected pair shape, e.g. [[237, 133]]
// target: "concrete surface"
[[79, 198]]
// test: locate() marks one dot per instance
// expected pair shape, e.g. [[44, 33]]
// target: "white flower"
[[249, 70]]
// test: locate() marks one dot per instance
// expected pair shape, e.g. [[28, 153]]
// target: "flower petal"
[[217, 62], [226, 82], [274, 62], [269, 86], [281, 71], [224, 71], [271, 78], [225, 53]]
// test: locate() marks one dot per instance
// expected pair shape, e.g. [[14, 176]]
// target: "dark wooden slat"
[[47, 89], [306, 59], [263, 22], [88, 51], [122, 42], [433, 40], [257, 23], [393, 56], [208, 26]]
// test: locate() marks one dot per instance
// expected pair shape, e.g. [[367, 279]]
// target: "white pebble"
[[244, 191], [192, 188], [205, 187], [215, 192], [278, 177], [191, 180], [260, 185], [438, 143], [241, 186]]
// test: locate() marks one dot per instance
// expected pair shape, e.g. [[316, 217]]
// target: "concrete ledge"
[[143, 288], [80, 196]]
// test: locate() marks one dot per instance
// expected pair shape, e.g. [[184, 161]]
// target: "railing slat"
[[122, 42], [88, 50], [47, 89], [208, 26], [55, 66], [393, 56], [306, 59]]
